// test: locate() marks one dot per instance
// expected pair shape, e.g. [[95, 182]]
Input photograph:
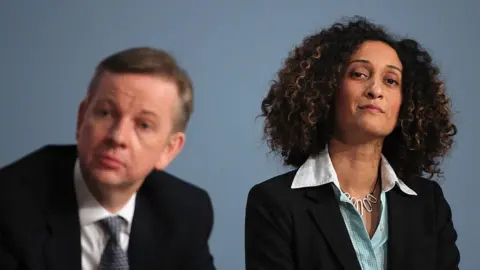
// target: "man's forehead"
[[141, 92], [127, 100]]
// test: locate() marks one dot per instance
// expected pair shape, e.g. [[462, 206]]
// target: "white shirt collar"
[[90, 210], [318, 170]]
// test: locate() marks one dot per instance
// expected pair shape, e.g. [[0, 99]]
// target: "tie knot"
[[112, 225]]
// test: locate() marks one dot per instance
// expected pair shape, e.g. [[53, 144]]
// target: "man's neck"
[[113, 199]]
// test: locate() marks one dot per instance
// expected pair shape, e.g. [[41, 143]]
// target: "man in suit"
[[107, 203]]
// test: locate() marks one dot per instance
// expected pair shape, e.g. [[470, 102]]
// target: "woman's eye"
[[357, 74], [392, 81]]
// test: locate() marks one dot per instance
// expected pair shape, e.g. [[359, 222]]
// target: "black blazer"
[[303, 229], [40, 230]]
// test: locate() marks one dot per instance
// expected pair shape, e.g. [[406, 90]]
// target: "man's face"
[[125, 128]]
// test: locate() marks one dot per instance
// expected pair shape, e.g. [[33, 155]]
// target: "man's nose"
[[119, 133]]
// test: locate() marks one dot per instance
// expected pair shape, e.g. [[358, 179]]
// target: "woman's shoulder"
[[278, 182], [274, 188], [424, 187]]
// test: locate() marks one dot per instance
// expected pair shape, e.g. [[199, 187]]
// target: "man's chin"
[[109, 178]]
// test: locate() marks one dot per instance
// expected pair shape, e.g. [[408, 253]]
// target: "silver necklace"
[[365, 203]]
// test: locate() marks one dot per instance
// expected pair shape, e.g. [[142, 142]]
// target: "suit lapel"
[[403, 216], [327, 216], [63, 248], [148, 238]]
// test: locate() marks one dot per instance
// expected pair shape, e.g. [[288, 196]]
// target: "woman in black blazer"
[[362, 116]]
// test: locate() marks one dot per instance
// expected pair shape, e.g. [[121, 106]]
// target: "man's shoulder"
[[28, 177], [32, 165], [176, 203], [25, 183], [39, 158], [179, 202], [166, 187], [164, 179]]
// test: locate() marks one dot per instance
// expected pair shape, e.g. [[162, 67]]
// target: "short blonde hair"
[[155, 62]]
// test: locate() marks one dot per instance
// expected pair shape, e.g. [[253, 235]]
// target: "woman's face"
[[370, 94]]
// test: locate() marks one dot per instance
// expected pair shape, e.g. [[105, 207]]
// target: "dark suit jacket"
[[40, 230], [303, 229]]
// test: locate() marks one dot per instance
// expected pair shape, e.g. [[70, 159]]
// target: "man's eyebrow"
[[148, 113]]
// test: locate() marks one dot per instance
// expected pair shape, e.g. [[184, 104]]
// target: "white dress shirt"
[[93, 237], [318, 170]]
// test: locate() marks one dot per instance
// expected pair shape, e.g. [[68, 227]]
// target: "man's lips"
[[110, 161]]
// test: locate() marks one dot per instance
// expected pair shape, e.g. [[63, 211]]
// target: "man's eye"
[[103, 112], [145, 125]]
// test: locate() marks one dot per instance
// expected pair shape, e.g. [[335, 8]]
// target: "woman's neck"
[[356, 165]]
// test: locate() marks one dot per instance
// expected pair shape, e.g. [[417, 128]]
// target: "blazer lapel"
[[403, 215], [63, 248], [148, 243], [327, 216]]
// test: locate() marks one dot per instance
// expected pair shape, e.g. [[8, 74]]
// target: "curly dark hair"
[[299, 106]]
